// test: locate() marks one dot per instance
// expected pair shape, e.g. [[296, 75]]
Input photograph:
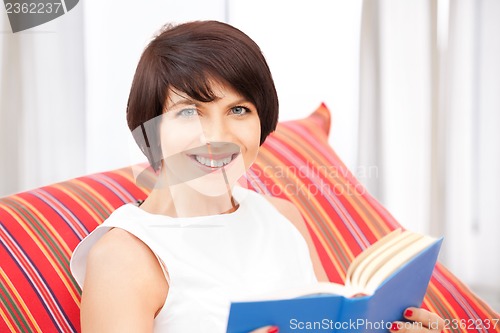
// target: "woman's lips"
[[213, 162], [213, 156]]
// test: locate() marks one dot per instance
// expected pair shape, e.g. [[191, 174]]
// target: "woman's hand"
[[421, 321], [266, 329]]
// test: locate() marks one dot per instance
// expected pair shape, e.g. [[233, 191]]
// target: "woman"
[[202, 102]]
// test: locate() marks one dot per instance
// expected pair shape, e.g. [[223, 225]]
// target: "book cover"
[[326, 312]]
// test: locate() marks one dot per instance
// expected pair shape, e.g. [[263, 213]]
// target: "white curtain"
[[430, 119], [42, 103], [471, 105]]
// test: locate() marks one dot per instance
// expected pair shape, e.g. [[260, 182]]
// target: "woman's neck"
[[184, 201]]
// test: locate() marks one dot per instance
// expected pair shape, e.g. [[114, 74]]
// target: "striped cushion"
[[40, 228]]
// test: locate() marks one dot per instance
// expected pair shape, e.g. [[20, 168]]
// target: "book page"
[[378, 262], [368, 251], [397, 262], [357, 273]]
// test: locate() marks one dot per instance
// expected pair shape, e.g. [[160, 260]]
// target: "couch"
[[40, 228]]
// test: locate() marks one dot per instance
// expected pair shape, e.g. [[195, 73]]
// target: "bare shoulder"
[[121, 255], [117, 244], [123, 280]]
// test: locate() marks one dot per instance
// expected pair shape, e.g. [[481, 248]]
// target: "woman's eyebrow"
[[183, 101], [190, 102], [239, 101]]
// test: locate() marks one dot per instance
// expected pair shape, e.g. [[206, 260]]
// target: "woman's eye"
[[186, 113], [240, 110]]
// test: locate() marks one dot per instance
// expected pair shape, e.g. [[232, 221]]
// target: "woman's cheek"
[[176, 139]]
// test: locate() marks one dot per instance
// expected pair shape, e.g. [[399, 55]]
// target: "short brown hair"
[[189, 57]]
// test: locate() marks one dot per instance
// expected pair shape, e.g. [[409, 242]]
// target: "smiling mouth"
[[214, 162], [214, 156]]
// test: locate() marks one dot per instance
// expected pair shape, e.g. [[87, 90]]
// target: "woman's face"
[[209, 145]]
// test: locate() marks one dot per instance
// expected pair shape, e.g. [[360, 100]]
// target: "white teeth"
[[213, 163]]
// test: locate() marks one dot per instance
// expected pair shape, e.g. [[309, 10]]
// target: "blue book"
[[389, 276]]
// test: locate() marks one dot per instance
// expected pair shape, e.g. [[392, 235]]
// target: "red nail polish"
[[408, 313], [273, 329], [395, 327]]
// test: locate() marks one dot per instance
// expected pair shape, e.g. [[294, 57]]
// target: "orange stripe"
[[468, 295], [24, 263], [111, 186], [343, 180], [428, 302], [64, 277], [300, 152], [325, 219], [47, 224], [442, 300], [81, 203], [41, 288], [6, 320], [129, 176], [320, 160], [20, 302], [127, 173], [62, 209], [311, 128], [96, 195]]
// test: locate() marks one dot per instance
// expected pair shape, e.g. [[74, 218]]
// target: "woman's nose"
[[215, 130]]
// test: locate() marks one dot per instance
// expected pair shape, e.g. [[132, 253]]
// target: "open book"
[[389, 276]]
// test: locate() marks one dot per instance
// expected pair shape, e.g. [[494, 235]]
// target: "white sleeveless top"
[[212, 260]]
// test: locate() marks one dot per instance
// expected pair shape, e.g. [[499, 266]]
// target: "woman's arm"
[[124, 286]]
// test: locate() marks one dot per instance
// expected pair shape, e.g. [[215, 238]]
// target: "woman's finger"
[[408, 327], [428, 319], [266, 329]]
